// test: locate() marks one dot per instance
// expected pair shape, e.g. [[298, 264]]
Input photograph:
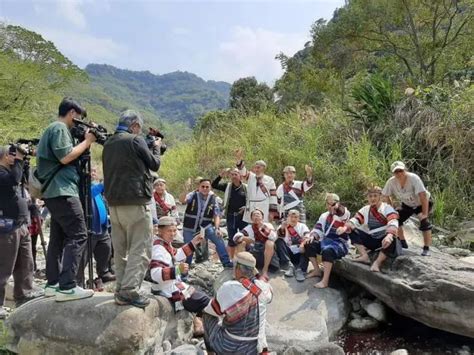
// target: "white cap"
[[398, 165]]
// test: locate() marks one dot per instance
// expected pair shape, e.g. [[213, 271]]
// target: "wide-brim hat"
[[246, 259]]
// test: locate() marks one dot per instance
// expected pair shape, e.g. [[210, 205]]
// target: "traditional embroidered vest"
[[191, 219]]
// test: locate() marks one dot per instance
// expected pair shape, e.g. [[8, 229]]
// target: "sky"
[[217, 40]]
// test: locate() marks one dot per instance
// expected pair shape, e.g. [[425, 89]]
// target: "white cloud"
[[251, 52], [70, 10], [84, 48]]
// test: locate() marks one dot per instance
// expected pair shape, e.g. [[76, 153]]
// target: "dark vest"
[[127, 180], [191, 219]]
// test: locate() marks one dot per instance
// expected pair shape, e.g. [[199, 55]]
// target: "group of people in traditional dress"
[[267, 231]]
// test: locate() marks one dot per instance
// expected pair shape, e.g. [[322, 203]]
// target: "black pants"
[[102, 251], [286, 255], [197, 302], [312, 250], [67, 241], [371, 243]]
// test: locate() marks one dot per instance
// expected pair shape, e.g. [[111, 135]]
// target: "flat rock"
[[95, 325], [186, 349], [437, 290], [468, 259]]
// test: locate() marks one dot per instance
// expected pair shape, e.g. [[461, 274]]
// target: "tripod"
[[84, 168]]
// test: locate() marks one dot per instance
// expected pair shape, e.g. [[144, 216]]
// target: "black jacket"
[[12, 203], [127, 162]]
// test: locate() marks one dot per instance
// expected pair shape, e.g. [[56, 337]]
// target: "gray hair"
[[246, 271], [3, 151], [129, 117]]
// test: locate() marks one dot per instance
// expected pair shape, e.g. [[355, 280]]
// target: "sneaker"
[[284, 268], [3, 313], [426, 251], [404, 243], [299, 275], [290, 272], [50, 290], [73, 294]]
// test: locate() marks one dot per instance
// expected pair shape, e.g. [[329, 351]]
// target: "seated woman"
[[289, 246], [374, 228], [165, 203], [258, 238], [325, 241]]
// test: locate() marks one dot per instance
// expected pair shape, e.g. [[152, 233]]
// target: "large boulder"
[[301, 315], [95, 326], [437, 290]]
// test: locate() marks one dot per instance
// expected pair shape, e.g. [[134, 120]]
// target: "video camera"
[[80, 128], [151, 137], [29, 150]]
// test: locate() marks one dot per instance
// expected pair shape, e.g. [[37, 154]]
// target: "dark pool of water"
[[404, 333]]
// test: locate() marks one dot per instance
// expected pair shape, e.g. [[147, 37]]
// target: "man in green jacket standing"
[[127, 162]]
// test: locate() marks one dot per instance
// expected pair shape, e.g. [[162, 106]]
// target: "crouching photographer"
[[127, 162], [56, 169], [15, 245]]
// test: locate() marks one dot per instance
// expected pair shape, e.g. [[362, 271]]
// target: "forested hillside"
[[380, 81], [176, 97]]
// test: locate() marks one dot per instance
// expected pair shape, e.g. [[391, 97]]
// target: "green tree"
[[249, 96]]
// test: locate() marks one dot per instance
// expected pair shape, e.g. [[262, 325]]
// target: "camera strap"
[[46, 183]]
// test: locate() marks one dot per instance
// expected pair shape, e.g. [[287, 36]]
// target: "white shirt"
[[409, 194]]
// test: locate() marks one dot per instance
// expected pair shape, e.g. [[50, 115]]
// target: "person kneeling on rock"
[[374, 228], [241, 304], [258, 238], [167, 266], [326, 242]]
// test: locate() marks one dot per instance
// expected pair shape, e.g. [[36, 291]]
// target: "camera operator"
[[15, 245], [56, 169], [127, 162]]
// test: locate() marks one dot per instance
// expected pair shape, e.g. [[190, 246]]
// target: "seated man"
[[258, 238], [167, 266], [374, 227], [164, 201], [292, 236], [242, 305], [326, 242]]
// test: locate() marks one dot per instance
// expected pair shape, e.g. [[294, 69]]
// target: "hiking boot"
[[50, 290], [404, 243], [73, 294], [426, 251], [108, 276], [29, 297], [299, 275], [290, 272], [131, 298]]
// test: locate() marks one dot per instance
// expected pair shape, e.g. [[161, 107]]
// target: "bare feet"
[[265, 275], [321, 284], [364, 259], [375, 267], [198, 327], [314, 273]]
